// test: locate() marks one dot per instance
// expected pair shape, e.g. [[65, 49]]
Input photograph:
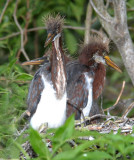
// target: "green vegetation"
[[104, 146]]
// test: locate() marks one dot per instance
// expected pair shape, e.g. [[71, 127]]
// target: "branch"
[[36, 39], [128, 110], [98, 12], [88, 24], [119, 96], [27, 19], [16, 81], [4, 9], [38, 28], [120, 11], [21, 32]]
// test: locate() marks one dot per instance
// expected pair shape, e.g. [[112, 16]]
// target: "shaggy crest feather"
[[99, 38], [97, 44], [53, 22]]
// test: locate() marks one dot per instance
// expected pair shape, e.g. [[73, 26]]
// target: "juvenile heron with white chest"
[[47, 93], [86, 76], [62, 87]]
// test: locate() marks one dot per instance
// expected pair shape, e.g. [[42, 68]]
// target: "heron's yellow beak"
[[37, 61], [112, 64], [49, 39]]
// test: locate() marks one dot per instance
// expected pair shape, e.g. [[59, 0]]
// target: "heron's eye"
[[104, 54], [57, 30]]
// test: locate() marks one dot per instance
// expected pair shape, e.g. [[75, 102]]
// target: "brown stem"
[[128, 110], [119, 96], [4, 9], [88, 24], [21, 32]]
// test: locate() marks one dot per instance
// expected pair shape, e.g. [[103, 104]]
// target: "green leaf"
[[77, 10], [97, 155], [72, 154], [63, 133], [24, 77], [129, 149], [39, 145], [21, 150]]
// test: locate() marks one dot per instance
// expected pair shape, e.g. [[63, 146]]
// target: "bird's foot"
[[43, 128]]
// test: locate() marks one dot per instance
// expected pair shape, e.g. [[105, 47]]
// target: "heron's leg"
[[78, 109]]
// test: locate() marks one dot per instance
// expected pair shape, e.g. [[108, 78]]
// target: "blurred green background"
[[15, 79]]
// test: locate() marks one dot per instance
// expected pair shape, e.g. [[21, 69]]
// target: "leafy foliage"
[[104, 146]]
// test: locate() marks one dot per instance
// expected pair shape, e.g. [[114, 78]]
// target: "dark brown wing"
[[77, 92], [77, 96], [34, 94], [36, 88]]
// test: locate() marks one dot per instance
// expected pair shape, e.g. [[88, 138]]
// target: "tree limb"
[[118, 31], [88, 24], [119, 96], [21, 32], [41, 28], [99, 13], [4, 9]]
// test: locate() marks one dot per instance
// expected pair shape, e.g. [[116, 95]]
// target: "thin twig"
[[88, 24], [107, 4], [94, 117], [21, 32], [98, 12], [131, 28], [94, 20], [4, 9], [128, 110], [74, 27], [16, 81], [119, 96], [27, 19], [130, 10], [41, 28], [22, 116], [102, 116], [36, 39], [101, 105]]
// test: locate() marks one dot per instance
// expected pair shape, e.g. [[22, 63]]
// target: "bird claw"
[[43, 128]]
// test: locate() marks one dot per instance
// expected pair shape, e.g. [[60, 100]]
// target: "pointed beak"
[[112, 64], [49, 39], [37, 61]]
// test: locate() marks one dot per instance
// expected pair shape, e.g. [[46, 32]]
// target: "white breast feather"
[[49, 110], [89, 83]]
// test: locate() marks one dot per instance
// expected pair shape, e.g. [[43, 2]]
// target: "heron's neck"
[[58, 71], [99, 80]]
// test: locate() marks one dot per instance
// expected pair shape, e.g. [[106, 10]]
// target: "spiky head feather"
[[97, 44], [53, 23]]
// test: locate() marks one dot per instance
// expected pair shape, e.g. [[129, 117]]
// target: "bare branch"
[[16, 81], [4, 9], [94, 20], [107, 4], [75, 28], [119, 96], [39, 28], [128, 110], [27, 19], [36, 39], [21, 31], [98, 12], [118, 31], [88, 24], [120, 10]]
